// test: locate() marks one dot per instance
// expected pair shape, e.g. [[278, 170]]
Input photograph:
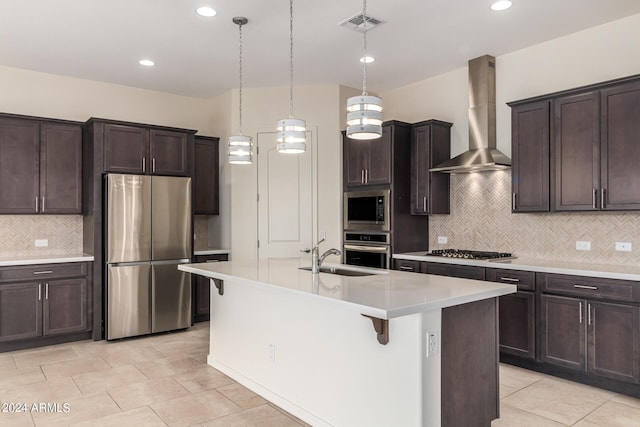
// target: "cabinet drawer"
[[212, 258], [525, 280], [608, 289], [43, 271], [453, 270], [406, 265]]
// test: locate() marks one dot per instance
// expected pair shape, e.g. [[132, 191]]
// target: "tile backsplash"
[[18, 234], [481, 219]]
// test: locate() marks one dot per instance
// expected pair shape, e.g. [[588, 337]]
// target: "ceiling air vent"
[[356, 23]]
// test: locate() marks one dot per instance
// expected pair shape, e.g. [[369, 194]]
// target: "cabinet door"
[[19, 166], [126, 149], [420, 164], [563, 331], [205, 177], [530, 157], [20, 311], [517, 324], [577, 152], [168, 153], [202, 289], [620, 147], [379, 169], [60, 168], [614, 341], [65, 306], [356, 159]]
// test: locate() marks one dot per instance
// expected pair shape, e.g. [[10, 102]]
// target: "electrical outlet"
[[41, 243], [583, 246], [271, 352], [443, 240], [623, 246], [433, 343]]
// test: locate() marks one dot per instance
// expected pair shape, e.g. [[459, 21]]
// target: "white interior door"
[[285, 199]]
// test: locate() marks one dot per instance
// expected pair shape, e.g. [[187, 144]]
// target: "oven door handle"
[[379, 249]]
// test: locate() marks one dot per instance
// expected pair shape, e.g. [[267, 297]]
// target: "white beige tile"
[[241, 395], [141, 417], [83, 408], [518, 378], [167, 367], [142, 394], [12, 378], [16, 419], [119, 353], [633, 401], [511, 416], [104, 379], [7, 363], [69, 368], [201, 379], [54, 390], [559, 400], [505, 390], [44, 355], [263, 416], [195, 408], [181, 347], [615, 414]]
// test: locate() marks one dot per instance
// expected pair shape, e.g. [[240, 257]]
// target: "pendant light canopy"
[[291, 132], [240, 147], [364, 117]]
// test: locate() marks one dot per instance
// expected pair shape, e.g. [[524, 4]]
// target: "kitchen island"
[[390, 348]]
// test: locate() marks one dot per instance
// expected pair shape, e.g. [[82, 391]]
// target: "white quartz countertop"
[[623, 272], [211, 251], [44, 259], [386, 294]]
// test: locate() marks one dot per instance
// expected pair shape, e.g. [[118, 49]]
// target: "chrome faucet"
[[316, 259]]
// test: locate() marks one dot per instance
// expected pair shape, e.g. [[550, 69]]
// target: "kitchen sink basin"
[[340, 271]]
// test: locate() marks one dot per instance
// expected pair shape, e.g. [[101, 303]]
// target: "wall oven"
[[367, 210], [367, 249]]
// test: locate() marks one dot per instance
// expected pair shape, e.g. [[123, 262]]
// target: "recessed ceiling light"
[[206, 11], [367, 59], [146, 62], [501, 5]]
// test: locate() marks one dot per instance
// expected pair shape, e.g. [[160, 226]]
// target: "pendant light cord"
[[290, 59], [240, 73], [364, 48]]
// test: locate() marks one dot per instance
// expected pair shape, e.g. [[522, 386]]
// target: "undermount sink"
[[340, 271]]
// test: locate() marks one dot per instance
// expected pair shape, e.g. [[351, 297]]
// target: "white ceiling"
[[196, 56]]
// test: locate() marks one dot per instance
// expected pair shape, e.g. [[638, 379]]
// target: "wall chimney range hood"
[[482, 155]]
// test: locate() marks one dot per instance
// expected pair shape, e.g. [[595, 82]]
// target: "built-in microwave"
[[367, 210]]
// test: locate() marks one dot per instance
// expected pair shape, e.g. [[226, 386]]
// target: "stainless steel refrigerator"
[[148, 233]]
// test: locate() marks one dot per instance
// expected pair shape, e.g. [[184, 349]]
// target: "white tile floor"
[[163, 380]]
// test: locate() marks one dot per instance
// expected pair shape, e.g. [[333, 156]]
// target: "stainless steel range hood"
[[482, 155]]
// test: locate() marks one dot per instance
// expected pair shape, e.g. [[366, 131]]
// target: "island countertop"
[[386, 294]]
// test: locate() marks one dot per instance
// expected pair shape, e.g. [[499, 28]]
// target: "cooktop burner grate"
[[469, 254]]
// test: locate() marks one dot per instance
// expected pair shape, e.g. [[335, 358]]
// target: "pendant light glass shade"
[[364, 117], [240, 147], [291, 132], [239, 151], [364, 120]]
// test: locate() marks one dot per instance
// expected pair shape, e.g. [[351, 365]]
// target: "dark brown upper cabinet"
[[368, 162], [142, 150], [430, 145], [40, 166], [206, 176], [530, 157]]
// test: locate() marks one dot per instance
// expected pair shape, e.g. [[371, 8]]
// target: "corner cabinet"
[[202, 288], [430, 146], [40, 166], [206, 176], [41, 302]]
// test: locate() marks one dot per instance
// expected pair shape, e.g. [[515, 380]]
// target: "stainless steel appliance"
[[367, 249], [367, 210], [469, 254], [148, 233]]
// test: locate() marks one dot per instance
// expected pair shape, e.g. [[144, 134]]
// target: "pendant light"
[[239, 147], [364, 117], [291, 132]]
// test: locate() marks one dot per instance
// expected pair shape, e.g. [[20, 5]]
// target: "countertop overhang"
[[44, 259], [385, 295], [605, 271]]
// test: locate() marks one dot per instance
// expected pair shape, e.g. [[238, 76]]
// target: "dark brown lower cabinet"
[[65, 306], [20, 311], [453, 270], [596, 337], [517, 324], [202, 288]]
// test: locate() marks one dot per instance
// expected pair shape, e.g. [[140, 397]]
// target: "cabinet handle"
[[594, 198], [39, 291], [144, 164], [580, 311], [43, 204], [424, 203], [589, 314], [153, 165], [46, 291], [513, 201], [212, 260], [592, 288], [43, 272], [603, 198], [406, 268], [510, 279], [37, 204], [366, 176], [361, 176]]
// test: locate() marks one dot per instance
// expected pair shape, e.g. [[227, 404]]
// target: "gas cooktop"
[[468, 254]]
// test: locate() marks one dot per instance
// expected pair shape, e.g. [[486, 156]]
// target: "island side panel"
[[323, 363], [470, 395]]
